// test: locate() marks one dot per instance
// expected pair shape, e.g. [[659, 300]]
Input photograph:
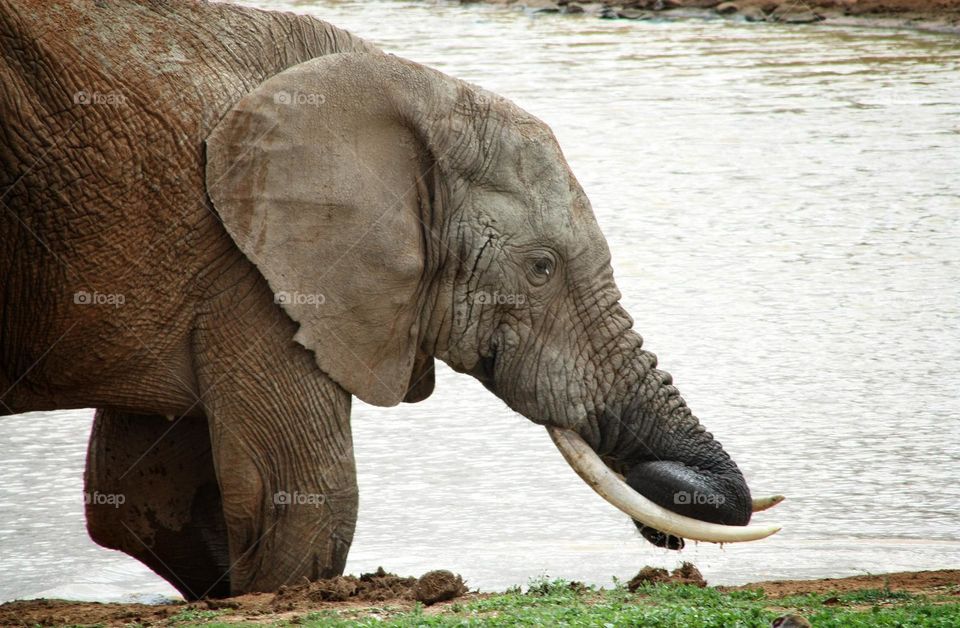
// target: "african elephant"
[[220, 224]]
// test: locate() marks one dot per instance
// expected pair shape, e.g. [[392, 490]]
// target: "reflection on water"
[[782, 206]]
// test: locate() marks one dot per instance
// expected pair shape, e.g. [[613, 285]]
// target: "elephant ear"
[[319, 182]]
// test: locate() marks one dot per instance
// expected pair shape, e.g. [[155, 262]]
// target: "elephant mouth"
[[612, 487], [486, 368]]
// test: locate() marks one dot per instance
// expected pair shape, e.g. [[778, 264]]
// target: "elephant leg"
[[151, 492], [282, 444]]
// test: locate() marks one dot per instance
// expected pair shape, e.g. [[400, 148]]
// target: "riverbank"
[[925, 598], [928, 15]]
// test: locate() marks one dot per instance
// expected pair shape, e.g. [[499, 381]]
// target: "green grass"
[[191, 616], [558, 602]]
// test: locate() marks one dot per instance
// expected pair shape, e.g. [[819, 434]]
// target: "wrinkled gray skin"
[[208, 406]]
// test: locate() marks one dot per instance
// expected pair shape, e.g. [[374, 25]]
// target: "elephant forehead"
[[543, 179], [556, 209]]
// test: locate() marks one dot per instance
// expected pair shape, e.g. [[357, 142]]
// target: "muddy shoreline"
[[940, 16], [370, 594]]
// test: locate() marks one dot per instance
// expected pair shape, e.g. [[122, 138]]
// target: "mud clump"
[[379, 586], [686, 573], [338, 589], [438, 586], [648, 575]]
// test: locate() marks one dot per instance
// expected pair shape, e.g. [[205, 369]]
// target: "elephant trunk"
[[679, 482]]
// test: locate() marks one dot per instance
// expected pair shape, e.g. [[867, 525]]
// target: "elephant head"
[[400, 215]]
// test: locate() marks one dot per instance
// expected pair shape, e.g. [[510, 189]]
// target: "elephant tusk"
[[605, 482], [763, 503]]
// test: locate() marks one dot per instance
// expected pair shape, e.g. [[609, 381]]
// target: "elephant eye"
[[542, 269], [543, 266]]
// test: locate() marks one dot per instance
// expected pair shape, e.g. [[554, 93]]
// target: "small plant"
[[545, 587], [193, 615], [747, 594]]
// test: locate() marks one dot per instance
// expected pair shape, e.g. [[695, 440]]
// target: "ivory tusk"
[[763, 503], [605, 482]]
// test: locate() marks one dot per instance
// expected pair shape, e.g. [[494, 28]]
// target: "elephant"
[[221, 224]]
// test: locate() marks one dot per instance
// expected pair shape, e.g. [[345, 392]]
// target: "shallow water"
[[782, 205]]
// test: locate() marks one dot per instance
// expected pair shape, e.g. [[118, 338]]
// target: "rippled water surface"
[[782, 206]]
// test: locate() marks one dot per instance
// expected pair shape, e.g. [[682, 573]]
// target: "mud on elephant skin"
[[293, 218]]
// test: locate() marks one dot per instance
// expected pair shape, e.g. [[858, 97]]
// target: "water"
[[782, 206]]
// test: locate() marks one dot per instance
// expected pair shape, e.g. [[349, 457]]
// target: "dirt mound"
[[285, 605], [925, 582], [369, 587], [686, 573], [63, 612], [380, 586]]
